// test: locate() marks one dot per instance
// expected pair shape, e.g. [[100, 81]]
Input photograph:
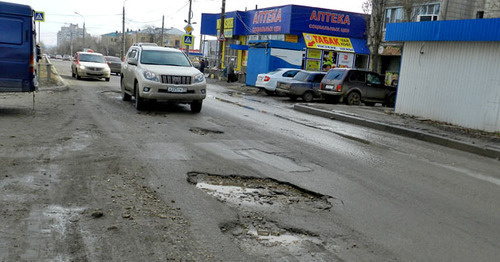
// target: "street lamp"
[[83, 28]]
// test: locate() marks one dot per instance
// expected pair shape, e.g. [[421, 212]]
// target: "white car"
[[90, 65], [268, 80], [152, 73]]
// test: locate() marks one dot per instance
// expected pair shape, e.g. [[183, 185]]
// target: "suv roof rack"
[[145, 44]]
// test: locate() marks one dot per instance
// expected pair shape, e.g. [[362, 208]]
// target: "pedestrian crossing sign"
[[39, 16], [188, 40]]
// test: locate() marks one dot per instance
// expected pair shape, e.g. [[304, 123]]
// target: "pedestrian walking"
[[231, 76], [202, 66]]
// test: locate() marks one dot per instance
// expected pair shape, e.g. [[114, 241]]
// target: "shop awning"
[[360, 46], [238, 47]]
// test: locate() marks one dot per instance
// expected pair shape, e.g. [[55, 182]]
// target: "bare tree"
[[374, 31]]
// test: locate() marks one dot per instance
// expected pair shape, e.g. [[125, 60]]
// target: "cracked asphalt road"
[[84, 177]]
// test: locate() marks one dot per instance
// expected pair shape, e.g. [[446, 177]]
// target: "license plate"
[[177, 89], [328, 87]]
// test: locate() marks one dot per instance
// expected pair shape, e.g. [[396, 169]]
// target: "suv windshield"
[[156, 57], [91, 58]]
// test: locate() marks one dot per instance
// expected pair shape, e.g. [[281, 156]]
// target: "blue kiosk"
[[290, 36]]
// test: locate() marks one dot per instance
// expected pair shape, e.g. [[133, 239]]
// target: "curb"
[[436, 139]]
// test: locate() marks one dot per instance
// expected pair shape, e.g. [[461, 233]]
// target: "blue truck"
[[18, 50]]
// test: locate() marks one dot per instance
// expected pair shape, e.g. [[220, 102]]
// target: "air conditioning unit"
[[424, 18]]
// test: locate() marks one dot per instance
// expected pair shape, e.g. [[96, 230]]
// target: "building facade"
[[450, 71], [397, 11], [172, 37], [68, 34], [312, 36]]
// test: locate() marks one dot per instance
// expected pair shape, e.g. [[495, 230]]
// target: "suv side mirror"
[[132, 61]]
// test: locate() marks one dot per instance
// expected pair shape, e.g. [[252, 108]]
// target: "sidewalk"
[[384, 119]]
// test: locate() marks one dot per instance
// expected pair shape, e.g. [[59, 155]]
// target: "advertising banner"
[[328, 42], [346, 60], [269, 20], [328, 22]]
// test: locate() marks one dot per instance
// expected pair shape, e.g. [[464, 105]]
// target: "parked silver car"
[[304, 84]]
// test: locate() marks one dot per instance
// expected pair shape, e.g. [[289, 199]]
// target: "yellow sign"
[[314, 54], [188, 28], [228, 23], [328, 42], [312, 65]]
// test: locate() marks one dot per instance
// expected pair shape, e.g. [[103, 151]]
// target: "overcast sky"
[[105, 16]]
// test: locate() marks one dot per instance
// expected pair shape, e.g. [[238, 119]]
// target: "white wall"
[[453, 82]]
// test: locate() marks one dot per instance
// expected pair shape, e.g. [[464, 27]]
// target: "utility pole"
[[189, 23], [123, 32], [162, 29], [221, 43]]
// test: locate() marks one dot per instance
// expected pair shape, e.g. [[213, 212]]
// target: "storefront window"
[[361, 62]]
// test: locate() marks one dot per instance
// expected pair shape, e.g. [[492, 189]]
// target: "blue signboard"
[[328, 22], [291, 19], [274, 20]]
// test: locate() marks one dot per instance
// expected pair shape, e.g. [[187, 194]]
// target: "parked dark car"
[[304, 84], [115, 64], [354, 86]]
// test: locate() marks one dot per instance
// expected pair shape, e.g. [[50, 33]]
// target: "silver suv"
[[152, 73]]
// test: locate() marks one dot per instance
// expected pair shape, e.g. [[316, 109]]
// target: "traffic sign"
[[222, 37], [188, 28], [39, 16], [187, 40]]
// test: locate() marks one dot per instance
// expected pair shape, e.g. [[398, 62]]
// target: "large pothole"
[[257, 229], [255, 193]]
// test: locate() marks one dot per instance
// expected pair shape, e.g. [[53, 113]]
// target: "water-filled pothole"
[[251, 192], [204, 131], [261, 228]]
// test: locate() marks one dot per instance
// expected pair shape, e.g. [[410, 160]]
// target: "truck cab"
[[17, 48]]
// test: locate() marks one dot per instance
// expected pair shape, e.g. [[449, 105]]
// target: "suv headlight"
[[151, 76], [199, 78]]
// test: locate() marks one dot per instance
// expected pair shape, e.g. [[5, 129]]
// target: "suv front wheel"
[[139, 101]]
